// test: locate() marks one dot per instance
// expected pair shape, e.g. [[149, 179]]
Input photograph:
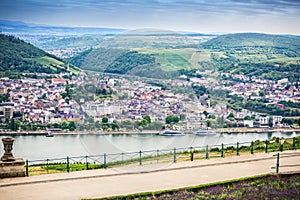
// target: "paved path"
[[134, 179]]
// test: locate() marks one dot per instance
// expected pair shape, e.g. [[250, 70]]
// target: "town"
[[106, 102]]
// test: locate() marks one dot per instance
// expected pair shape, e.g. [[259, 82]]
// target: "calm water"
[[61, 146]]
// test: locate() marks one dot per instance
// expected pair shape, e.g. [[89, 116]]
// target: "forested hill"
[[115, 60], [254, 54], [17, 56], [238, 40]]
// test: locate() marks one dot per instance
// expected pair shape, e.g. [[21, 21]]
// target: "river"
[[61, 146]]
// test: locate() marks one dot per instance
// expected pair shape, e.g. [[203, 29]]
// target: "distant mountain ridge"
[[21, 27], [17, 56]]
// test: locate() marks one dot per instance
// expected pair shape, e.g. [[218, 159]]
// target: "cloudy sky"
[[267, 16]]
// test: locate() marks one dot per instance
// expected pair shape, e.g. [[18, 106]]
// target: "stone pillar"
[[9, 165]]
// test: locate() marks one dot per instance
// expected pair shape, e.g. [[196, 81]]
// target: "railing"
[[69, 164], [282, 155]]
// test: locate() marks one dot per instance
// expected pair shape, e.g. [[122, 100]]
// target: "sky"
[[205, 16]]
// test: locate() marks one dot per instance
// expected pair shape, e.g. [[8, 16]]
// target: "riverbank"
[[218, 130], [256, 130]]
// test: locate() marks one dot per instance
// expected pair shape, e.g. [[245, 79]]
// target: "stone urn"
[[8, 146], [9, 165]]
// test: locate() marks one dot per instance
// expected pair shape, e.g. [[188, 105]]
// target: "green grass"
[[285, 60], [46, 60], [176, 59]]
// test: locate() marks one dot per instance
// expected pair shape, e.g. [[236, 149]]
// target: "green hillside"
[[148, 62], [17, 56], [114, 60], [97, 59], [242, 40], [263, 55]]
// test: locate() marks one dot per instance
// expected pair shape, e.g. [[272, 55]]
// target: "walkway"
[[135, 179]]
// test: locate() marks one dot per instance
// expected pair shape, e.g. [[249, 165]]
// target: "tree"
[[147, 118], [172, 119], [90, 120], [261, 93], [126, 124], [156, 125], [104, 127], [64, 125], [270, 123], [247, 118], [205, 113], [288, 121], [97, 125], [208, 122], [231, 115], [115, 125], [13, 125], [4, 97], [141, 123], [200, 90], [104, 120], [72, 126]]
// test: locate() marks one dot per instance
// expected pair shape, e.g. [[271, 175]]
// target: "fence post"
[[140, 157], [104, 161], [192, 153], [222, 151], [206, 152], [281, 147], [68, 164], [251, 148], [122, 156], [267, 146], [86, 163], [174, 159], [294, 143], [47, 163], [26, 168], [157, 154], [237, 149], [277, 163]]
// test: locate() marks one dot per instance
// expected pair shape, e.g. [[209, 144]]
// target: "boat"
[[171, 132], [49, 134], [204, 132]]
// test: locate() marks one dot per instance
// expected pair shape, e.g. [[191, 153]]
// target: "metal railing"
[[282, 155], [88, 162]]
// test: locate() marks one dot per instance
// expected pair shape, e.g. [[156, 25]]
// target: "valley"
[[124, 78]]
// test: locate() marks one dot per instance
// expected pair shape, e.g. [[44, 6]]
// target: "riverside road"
[[135, 179]]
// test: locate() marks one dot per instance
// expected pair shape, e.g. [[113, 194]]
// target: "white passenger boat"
[[171, 132], [204, 132]]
